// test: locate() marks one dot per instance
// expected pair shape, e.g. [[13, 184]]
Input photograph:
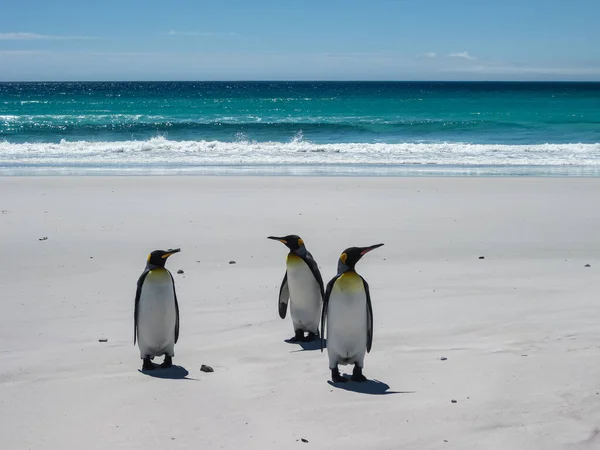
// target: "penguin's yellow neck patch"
[[293, 259], [158, 273], [350, 282]]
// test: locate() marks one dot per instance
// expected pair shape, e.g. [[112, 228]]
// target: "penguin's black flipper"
[[314, 268], [138, 294], [324, 310], [284, 296], [369, 316], [176, 310]]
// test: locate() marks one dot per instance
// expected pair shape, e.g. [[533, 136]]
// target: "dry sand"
[[520, 328]]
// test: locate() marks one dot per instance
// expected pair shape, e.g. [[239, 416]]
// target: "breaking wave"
[[164, 152]]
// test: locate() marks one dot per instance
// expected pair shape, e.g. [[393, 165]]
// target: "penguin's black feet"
[[168, 362], [336, 377], [357, 374], [298, 337], [147, 365], [310, 337]]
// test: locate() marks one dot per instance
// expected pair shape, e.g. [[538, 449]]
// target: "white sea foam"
[[166, 153]]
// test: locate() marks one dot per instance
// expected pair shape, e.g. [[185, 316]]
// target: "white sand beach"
[[519, 328]]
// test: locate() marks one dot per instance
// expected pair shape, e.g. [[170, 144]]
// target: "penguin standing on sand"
[[349, 316], [156, 314], [302, 286]]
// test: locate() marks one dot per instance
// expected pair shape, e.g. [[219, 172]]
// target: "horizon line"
[[298, 81]]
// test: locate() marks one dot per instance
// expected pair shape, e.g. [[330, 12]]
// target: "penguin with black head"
[[156, 313], [348, 316], [302, 286]]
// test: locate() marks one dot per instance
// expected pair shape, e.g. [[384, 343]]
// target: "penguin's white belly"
[[157, 315], [305, 295], [347, 321]]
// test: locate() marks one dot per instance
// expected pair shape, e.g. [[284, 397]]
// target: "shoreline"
[[314, 170]]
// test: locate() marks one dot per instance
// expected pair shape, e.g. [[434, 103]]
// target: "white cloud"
[[430, 55], [36, 37], [462, 55]]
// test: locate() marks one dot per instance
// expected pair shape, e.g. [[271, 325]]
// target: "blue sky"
[[300, 40]]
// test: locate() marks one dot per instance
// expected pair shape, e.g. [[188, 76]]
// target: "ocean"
[[297, 128]]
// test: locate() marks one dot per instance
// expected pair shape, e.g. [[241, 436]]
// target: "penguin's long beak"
[[280, 239], [366, 250], [170, 252]]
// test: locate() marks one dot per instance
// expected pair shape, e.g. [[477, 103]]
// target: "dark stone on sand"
[[482, 257], [207, 369], [453, 401], [304, 440], [180, 271], [103, 340], [232, 262], [587, 265]]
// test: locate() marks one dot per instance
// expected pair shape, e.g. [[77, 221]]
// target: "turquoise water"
[[301, 128]]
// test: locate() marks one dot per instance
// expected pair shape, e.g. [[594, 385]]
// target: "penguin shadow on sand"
[[307, 345], [370, 387], [171, 373]]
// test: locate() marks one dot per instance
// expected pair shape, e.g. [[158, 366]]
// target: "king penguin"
[[348, 316], [156, 314], [302, 286]]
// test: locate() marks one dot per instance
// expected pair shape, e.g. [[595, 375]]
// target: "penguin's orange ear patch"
[[300, 242], [343, 258], [149, 256]]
